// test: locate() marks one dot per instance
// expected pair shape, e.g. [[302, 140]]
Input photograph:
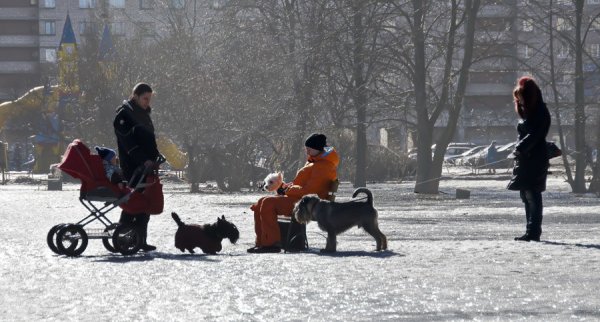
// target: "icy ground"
[[448, 260]]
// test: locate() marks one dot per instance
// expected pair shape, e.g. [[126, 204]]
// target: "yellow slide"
[[32, 101], [177, 159]]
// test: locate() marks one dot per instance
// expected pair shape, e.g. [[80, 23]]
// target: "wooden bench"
[[293, 233]]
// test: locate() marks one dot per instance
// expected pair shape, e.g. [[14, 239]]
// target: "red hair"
[[531, 94]]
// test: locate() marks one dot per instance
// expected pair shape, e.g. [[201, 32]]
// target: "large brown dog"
[[207, 237]]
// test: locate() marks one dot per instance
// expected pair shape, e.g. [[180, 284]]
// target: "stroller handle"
[[145, 171]]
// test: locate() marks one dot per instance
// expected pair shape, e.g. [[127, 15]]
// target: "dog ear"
[[223, 217]]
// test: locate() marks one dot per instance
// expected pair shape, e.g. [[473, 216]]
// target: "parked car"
[[457, 144], [453, 153], [502, 159], [460, 159]]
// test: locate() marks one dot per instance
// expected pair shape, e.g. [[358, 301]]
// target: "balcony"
[[489, 11], [18, 14], [494, 63], [18, 67], [495, 37], [19, 41], [487, 89]]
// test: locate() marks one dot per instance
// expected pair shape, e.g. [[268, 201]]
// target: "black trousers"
[[533, 212], [140, 221]]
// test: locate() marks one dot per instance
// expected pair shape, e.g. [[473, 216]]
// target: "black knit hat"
[[105, 153], [316, 141]]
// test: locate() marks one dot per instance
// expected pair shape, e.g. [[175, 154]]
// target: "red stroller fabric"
[[78, 162], [149, 201]]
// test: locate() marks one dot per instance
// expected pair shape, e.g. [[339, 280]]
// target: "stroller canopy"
[[79, 163]]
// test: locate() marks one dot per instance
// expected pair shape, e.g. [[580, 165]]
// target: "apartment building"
[[19, 43], [30, 32], [510, 35]]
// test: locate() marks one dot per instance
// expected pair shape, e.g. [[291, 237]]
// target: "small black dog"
[[208, 237], [337, 217]]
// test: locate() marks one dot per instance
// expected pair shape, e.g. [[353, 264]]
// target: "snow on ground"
[[448, 260]]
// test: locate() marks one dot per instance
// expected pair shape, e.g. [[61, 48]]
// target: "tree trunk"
[[595, 184], [359, 94], [561, 135], [424, 127], [580, 162], [193, 171]]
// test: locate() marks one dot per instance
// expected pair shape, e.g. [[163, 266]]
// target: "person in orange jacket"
[[314, 178]]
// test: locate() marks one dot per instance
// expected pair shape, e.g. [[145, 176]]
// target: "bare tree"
[[439, 76], [568, 25]]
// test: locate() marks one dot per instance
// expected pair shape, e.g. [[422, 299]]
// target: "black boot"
[[147, 248], [142, 225], [528, 237], [265, 249], [523, 238]]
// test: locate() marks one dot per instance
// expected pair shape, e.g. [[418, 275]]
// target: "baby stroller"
[[99, 197]]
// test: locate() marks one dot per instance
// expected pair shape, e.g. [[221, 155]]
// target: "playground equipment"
[[42, 104]]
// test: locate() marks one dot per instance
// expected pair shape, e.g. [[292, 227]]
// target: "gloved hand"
[[281, 191]]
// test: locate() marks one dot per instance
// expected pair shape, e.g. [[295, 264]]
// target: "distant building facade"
[[510, 31], [30, 32]]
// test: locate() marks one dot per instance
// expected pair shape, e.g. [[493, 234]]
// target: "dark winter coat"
[[531, 164], [135, 137]]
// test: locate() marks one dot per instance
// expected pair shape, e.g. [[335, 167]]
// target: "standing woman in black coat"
[[137, 146], [531, 156]]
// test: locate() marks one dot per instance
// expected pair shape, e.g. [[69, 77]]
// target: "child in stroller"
[[144, 195], [109, 161]]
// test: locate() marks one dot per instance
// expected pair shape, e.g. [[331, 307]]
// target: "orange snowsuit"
[[314, 178]]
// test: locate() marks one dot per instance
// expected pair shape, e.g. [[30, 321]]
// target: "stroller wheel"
[[106, 241], [51, 238], [127, 240], [71, 240]]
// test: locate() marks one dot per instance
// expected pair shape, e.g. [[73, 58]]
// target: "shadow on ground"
[[589, 246], [113, 258]]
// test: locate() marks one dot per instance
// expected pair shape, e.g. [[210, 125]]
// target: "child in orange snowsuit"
[[314, 178]]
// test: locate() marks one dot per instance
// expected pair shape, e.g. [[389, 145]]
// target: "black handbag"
[[293, 235], [553, 150]]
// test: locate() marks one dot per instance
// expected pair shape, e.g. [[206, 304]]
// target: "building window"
[[595, 22], [48, 27], [49, 3], [49, 55], [87, 28], [116, 3], [526, 51], [146, 29], [87, 3], [564, 51], [527, 25], [563, 24], [563, 78], [146, 4], [593, 1], [595, 50], [177, 4], [564, 2], [117, 28]]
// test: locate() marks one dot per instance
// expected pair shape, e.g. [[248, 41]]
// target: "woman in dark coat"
[[137, 146], [531, 156]]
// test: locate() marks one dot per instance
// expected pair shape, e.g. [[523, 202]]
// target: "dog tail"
[[365, 191], [177, 219]]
